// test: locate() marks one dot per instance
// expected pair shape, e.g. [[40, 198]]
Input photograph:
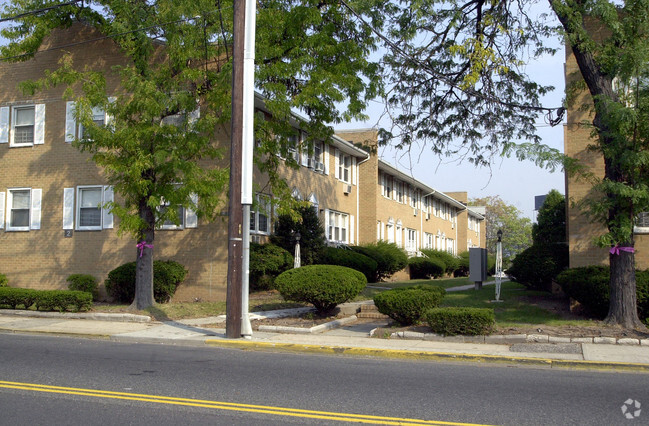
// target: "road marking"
[[219, 405]]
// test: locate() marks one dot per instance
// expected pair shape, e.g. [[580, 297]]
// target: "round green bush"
[[463, 265], [4, 282], [457, 320], [388, 256], [350, 259], [407, 305], [167, 275], [267, 261], [83, 282], [323, 286], [423, 267]]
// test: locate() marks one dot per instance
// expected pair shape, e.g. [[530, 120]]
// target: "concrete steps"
[[368, 310]]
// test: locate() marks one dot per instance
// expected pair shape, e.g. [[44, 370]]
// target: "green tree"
[[310, 55], [550, 226], [312, 234], [465, 91], [517, 229]]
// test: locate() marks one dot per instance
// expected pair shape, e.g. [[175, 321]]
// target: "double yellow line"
[[218, 405]]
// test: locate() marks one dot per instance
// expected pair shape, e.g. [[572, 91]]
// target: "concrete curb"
[[97, 316], [507, 339], [425, 355]]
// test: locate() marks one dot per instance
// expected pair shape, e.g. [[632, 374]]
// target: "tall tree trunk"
[[623, 304], [622, 308], [144, 262]]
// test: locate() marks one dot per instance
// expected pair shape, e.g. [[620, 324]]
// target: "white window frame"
[[643, 227], [78, 226], [168, 225], [387, 183], [97, 112], [30, 210], [344, 167], [428, 240], [411, 239], [262, 207], [398, 234], [338, 222]]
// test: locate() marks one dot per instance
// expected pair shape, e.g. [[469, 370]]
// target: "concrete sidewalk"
[[350, 338]]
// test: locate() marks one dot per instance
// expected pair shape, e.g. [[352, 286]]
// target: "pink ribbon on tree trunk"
[[617, 249], [141, 245]]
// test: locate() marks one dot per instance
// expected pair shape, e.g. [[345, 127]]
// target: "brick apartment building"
[[52, 224], [581, 231]]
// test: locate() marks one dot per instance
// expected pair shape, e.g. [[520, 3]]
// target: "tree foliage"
[[517, 229], [550, 226], [310, 55]]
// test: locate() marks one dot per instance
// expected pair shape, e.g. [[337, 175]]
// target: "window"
[[428, 241], [338, 227], [23, 125], [89, 210], [344, 167], [398, 234], [387, 185], [98, 118], [413, 196], [398, 186], [23, 209], [641, 223], [411, 240], [169, 223], [260, 214], [292, 147], [90, 213]]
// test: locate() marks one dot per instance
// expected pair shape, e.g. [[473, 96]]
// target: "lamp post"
[[297, 261], [499, 263]]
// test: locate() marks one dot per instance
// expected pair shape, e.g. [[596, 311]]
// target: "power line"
[[553, 121], [36, 11]]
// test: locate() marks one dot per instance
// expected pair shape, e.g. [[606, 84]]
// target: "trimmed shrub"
[[465, 321], [451, 263], [407, 305], [323, 286], [388, 256], [15, 297], [4, 282], [423, 267], [167, 275], [589, 286], [267, 261], [46, 300], [350, 259], [536, 266], [62, 300], [83, 282]]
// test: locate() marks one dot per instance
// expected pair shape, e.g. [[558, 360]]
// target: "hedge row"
[[351, 259], [465, 321], [267, 261], [46, 300], [388, 257], [423, 267], [589, 285], [407, 305]]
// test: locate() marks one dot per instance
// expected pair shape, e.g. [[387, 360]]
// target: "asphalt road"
[[55, 380]]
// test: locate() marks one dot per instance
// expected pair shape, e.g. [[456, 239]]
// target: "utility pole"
[[235, 211]]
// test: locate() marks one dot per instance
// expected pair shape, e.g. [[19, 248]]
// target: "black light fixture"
[[297, 236], [500, 235]]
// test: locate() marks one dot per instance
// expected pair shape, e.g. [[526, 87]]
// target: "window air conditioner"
[[414, 212], [347, 189], [319, 167]]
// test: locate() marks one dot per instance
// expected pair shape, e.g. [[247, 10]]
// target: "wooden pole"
[[235, 211]]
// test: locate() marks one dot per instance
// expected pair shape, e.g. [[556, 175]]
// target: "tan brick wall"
[[577, 135]]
